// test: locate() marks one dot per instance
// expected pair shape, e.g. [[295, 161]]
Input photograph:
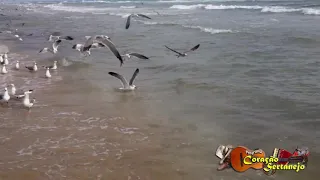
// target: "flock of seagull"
[[92, 42]]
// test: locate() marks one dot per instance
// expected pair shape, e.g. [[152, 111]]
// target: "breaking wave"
[[210, 30], [263, 9]]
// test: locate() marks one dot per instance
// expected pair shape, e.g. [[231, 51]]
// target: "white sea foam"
[[278, 9], [187, 7], [213, 7], [128, 7], [310, 11], [210, 30], [264, 9]]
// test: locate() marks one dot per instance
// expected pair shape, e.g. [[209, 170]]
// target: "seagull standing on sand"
[[184, 53], [140, 56], [53, 67], [57, 35], [17, 66], [48, 75], [134, 15], [126, 85], [5, 60], [33, 68], [105, 40], [13, 89], [1, 58], [5, 96], [54, 49], [4, 69], [26, 100]]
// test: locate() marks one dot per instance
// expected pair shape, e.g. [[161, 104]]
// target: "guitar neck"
[[291, 159]]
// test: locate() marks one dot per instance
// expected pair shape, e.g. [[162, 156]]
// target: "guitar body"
[[237, 159], [284, 156]]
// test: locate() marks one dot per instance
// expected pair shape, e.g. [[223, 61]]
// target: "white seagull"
[[5, 96], [4, 69], [54, 49], [17, 66], [79, 47], [5, 60], [48, 75], [184, 53], [105, 40], [33, 68], [126, 85], [26, 100], [1, 58], [140, 56], [57, 35], [13, 89], [134, 15]]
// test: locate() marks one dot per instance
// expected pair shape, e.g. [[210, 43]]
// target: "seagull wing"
[[194, 48], [173, 50], [128, 21], [134, 76], [89, 43], [138, 55], [69, 38], [56, 44], [144, 16], [111, 46], [122, 79], [43, 50]]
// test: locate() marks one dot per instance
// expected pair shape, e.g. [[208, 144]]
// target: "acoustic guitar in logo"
[[241, 154]]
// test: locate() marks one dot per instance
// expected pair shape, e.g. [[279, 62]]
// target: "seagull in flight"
[[54, 49], [125, 84], [184, 53], [57, 36], [105, 40], [140, 56], [79, 47], [135, 15]]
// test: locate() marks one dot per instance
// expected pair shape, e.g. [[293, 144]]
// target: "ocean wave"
[[187, 6], [210, 30], [128, 7], [213, 7], [310, 11], [203, 29], [263, 9], [58, 7], [279, 9]]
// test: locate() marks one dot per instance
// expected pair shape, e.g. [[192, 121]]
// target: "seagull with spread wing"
[[184, 53], [79, 47], [54, 49], [140, 56], [135, 15], [105, 40], [126, 86], [57, 36]]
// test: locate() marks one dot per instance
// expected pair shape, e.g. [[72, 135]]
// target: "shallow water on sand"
[[252, 82]]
